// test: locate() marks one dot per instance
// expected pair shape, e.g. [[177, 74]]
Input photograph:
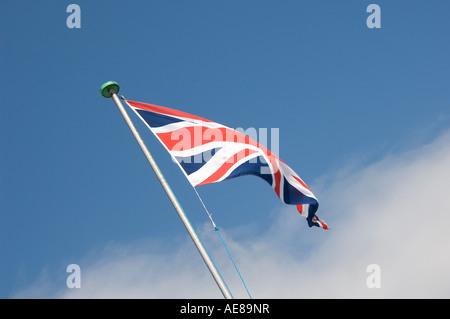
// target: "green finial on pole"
[[106, 88]]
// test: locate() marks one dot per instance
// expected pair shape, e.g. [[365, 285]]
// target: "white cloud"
[[394, 213]]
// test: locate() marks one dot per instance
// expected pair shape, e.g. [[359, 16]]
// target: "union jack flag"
[[209, 152]]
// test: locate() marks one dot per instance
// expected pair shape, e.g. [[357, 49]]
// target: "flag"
[[208, 152]]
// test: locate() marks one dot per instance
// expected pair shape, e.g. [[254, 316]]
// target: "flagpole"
[[110, 89]]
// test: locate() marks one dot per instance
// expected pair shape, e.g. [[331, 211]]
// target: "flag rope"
[[232, 297], [223, 241]]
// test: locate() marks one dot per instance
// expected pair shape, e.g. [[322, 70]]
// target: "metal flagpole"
[[110, 89]]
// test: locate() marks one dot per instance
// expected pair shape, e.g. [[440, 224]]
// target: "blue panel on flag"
[[253, 167], [191, 164], [156, 119], [293, 196]]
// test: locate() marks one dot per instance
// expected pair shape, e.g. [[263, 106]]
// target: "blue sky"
[[73, 182]]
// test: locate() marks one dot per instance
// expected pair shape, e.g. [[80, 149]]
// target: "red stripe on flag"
[[188, 137], [277, 176], [301, 182]]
